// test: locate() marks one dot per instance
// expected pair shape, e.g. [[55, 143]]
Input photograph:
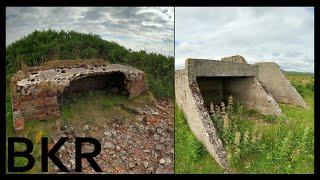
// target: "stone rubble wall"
[[135, 84]]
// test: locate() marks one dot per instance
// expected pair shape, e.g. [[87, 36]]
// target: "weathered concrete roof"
[[35, 92], [63, 76], [207, 68]]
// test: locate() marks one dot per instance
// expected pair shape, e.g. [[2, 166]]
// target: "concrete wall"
[[246, 90], [188, 98], [250, 93], [277, 84]]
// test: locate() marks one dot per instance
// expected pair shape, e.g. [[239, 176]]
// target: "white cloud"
[[281, 34], [137, 28]]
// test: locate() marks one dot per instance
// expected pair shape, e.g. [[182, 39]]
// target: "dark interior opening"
[[218, 89], [110, 83]]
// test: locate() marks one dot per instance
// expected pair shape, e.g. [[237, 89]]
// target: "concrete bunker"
[[38, 94], [205, 81]]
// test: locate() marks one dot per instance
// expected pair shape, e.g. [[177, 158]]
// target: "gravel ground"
[[140, 146]]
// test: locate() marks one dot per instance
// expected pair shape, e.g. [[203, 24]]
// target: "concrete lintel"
[[207, 68]]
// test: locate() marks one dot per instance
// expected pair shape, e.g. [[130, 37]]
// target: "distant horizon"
[[284, 35], [180, 68]]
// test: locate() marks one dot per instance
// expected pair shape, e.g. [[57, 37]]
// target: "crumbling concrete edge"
[[189, 99]]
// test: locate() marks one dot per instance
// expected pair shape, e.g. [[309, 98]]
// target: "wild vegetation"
[[48, 48], [255, 143], [42, 46]]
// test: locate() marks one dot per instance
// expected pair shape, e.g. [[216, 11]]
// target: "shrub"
[[43, 46]]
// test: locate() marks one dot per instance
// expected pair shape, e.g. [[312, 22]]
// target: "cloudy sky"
[[150, 29], [283, 35]]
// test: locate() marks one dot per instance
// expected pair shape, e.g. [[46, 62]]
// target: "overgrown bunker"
[[203, 82], [38, 94]]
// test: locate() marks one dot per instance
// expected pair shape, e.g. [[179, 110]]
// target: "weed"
[[256, 143]]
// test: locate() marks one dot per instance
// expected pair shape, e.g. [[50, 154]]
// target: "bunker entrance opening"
[[110, 83], [218, 89]]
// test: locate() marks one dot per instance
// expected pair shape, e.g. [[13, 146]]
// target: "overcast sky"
[[283, 35], [150, 29]]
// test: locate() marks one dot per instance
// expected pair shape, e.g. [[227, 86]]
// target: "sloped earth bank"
[[141, 144]]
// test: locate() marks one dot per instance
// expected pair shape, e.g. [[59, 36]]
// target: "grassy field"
[[256, 143], [93, 108]]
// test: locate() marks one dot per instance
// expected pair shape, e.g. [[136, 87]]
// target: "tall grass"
[[256, 143], [190, 155]]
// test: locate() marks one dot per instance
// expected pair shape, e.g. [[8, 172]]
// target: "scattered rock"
[[63, 128], [159, 170], [131, 165], [162, 140], [159, 130], [156, 137], [107, 133], [109, 145], [159, 147], [123, 153], [145, 164], [118, 148], [86, 127], [162, 161], [150, 170], [145, 147]]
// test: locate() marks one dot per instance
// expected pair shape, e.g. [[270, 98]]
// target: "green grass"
[[190, 154], [286, 143], [95, 108]]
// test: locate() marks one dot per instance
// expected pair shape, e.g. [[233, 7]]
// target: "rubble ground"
[[136, 135]]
